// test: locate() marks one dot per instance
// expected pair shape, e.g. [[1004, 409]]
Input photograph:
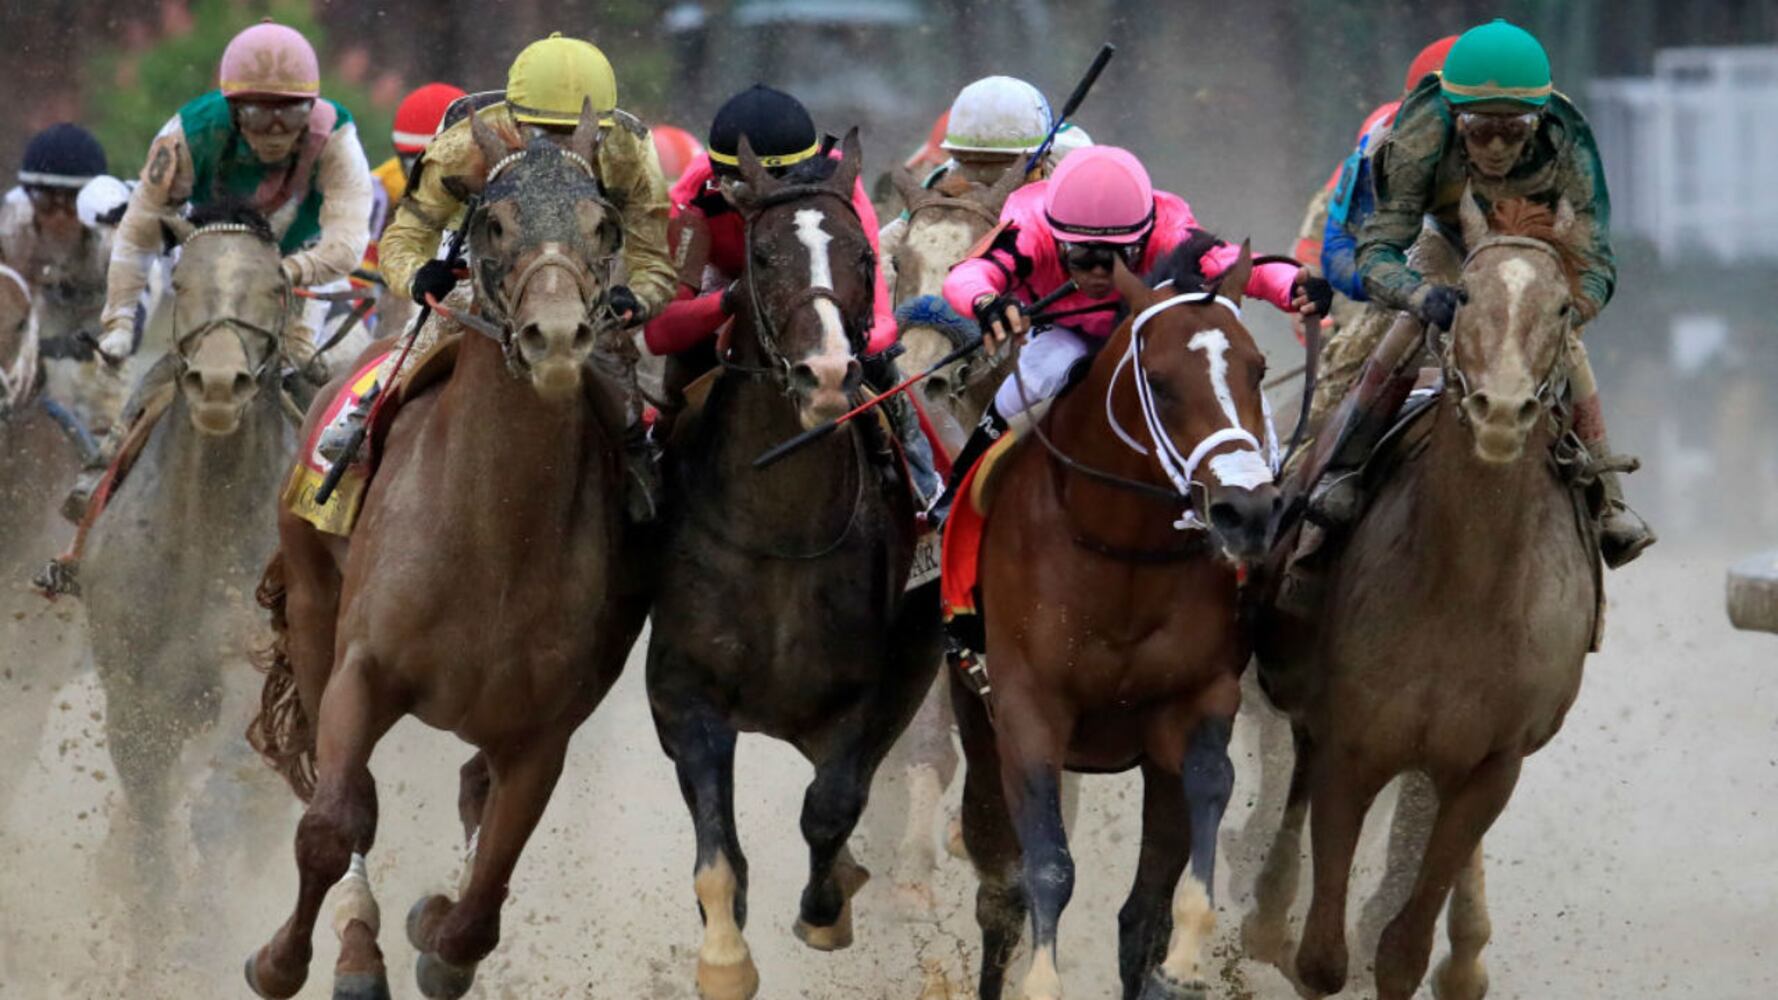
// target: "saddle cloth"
[[964, 528]]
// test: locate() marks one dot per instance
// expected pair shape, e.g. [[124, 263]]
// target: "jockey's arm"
[[1274, 283], [343, 178], [687, 321], [1339, 260], [1584, 189], [165, 185], [882, 334], [421, 217], [1403, 172], [631, 169]]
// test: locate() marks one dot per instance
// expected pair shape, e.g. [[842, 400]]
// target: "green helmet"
[[1497, 61]]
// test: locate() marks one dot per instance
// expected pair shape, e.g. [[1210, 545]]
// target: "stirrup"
[[1335, 500], [59, 576]]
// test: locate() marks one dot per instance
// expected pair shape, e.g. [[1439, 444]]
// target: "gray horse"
[[171, 564]]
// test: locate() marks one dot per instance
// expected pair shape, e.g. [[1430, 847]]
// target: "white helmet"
[[1068, 139], [997, 114], [100, 197]]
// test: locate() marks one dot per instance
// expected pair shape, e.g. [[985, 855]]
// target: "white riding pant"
[[1044, 360]]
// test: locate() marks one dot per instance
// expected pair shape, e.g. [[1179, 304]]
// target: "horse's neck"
[[1078, 426], [1469, 512], [210, 484]]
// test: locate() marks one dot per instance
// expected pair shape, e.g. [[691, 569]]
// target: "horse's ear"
[[851, 162], [587, 133], [905, 185], [1137, 294], [994, 198], [1564, 218], [1232, 283], [488, 143], [174, 230], [1469, 213], [753, 173], [738, 193]]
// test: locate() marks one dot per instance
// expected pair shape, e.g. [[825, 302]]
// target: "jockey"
[[546, 87], [266, 136], [1097, 208], [417, 117], [1493, 123], [678, 150], [43, 234], [710, 252], [994, 124]]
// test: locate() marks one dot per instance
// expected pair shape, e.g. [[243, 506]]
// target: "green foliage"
[[135, 92]]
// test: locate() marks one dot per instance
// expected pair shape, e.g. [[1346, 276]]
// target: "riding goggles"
[[52, 200], [1484, 127], [260, 116], [1100, 256]]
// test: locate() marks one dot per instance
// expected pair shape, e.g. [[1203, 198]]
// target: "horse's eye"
[[495, 229], [1567, 308]]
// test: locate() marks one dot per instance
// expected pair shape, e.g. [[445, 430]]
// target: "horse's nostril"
[[531, 340], [583, 337], [1527, 412], [1225, 516], [803, 377], [854, 375], [192, 382], [243, 384]]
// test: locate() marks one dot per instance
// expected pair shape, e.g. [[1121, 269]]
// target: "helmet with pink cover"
[[1100, 194], [270, 60]]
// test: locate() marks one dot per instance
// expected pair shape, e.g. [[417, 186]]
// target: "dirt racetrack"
[[1636, 859]]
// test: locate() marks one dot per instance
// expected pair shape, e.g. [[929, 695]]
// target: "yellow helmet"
[[551, 77]]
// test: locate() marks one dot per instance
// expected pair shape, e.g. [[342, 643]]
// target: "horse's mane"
[[232, 211], [1183, 265], [813, 170], [1524, 217], [952, 185]]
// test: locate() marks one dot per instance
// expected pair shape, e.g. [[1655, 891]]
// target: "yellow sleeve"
[[630, 170], [411, 238]]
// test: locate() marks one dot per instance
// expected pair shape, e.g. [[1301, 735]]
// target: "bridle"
[[1549, 387], [765, 328], [591, 280], [273, 338], [1180, 468]]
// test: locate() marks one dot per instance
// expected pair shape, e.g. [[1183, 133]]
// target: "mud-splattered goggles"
[[1100, 256], [1484, 127], [261, 116]]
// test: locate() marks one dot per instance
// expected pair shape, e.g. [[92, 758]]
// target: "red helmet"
[[1430, 60], [1100, 194], [417, 118], [931, 154], [677, 148]]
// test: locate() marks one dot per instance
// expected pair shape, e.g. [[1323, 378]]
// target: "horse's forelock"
[[1526, 218]]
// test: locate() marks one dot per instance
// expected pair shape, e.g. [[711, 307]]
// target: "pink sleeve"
[[882, 328], [685, 322], [1272, 282], [970, 280]]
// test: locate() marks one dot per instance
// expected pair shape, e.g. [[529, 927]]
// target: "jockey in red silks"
[[1098, 206], [707, 239]]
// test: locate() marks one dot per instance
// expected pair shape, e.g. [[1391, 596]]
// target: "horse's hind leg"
[[453, 938], [1265, 934], [1462, 976], [993, 846], [1145, 921], [359, 973], [1209, 778], [341, 820], [1464, 815], [930, 764], [831, 807], [702, 746], [1416, 804]]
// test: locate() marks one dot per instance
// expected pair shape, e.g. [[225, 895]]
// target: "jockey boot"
[[881, 374], [1623, 534], [161, 374], [987, 431]]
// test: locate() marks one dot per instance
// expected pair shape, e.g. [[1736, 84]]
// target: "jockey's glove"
[[1436, 305], [435, 278], [1319, 293], [994, 311], [623, 301]]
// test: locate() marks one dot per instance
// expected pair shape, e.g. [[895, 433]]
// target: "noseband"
[[765, 329], [1549, 387], [273, 338]]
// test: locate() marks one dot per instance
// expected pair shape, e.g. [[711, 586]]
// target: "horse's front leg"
[[453, 938], [1209, 778], [1032, 735]]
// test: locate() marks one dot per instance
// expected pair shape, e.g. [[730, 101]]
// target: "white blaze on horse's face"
[[815, 240], [1243, 468], [823, 376]]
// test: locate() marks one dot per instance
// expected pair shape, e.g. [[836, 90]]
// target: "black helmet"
[[776, 125], [62, 156]]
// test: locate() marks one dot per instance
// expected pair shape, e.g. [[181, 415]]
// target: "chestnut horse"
[[1458, 615], [1112, 633], [781, 605], [488, 586]]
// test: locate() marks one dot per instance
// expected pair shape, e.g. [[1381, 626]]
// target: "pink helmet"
[[1100, 194], [270, 60]]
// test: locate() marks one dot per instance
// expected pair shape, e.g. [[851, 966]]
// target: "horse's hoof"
[[835, 937], [266, 980], [916, 903], [423, 918], [735, 981], [1450, 983], [439, 979], [360, 986], [1266, 941], [1160, 986]]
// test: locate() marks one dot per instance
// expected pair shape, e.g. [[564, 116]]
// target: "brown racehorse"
[[1112, 634], [1458, 615], [484, 590], [781, 605]]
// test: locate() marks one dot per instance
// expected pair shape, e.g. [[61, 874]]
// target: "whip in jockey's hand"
[[1000, 317]]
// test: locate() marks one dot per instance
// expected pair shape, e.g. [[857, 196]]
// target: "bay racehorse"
[[170, 562], [1108, 585], [489, 588], [780, 607], [1457, 618]]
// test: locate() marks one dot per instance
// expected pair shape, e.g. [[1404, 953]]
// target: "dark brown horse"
[[485, 588], [1112, 634], [1458, 615], [780, 607]]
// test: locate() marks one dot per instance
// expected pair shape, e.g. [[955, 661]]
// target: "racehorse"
[[169, 569], [942, 225], [1458, 615], [489, 588], [780, 606], [1108, 584]]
